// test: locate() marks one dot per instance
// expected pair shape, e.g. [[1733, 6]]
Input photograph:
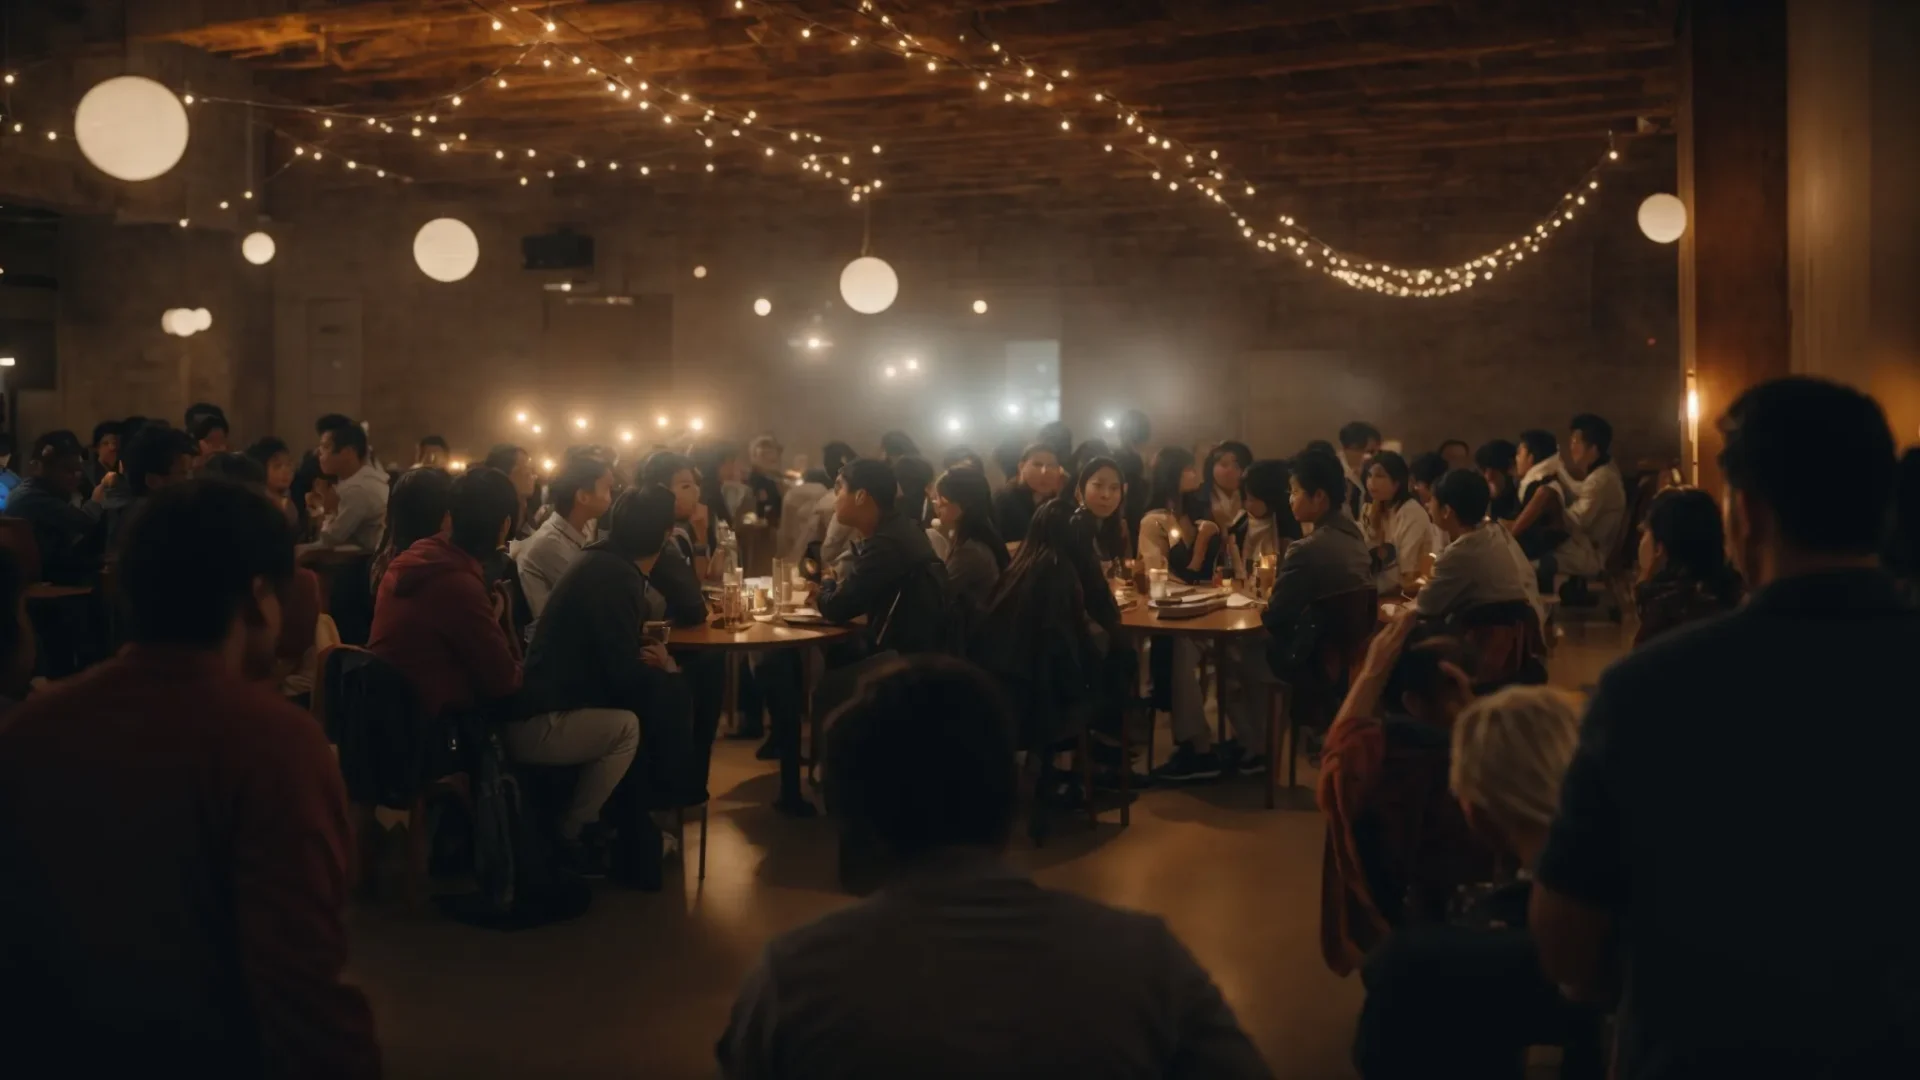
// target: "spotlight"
[[520, 418], [546, 465], [697, 424], [661, 420], [956, 424], [580, 422], [1013, 408], [626, 436], [1109, 423]]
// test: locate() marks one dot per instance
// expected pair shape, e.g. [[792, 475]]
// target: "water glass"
[[1157, 584]]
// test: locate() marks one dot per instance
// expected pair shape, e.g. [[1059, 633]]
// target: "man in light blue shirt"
[[357, 506], [582, 494]]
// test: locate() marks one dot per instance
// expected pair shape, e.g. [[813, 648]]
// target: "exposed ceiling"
[[1354, 104]]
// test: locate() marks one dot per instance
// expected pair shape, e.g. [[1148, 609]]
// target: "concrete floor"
[[640, 986]]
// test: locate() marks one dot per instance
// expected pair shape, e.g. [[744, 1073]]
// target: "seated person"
[[1036, 480], [1332, 558], [1684, 573], [1456, 454], [175, 834], [693, 518], [598, 690], [976, 556], [432, 453], [1540, 525], [1397, 847], [154, 458], [1265, 526], [1398, 532], [105, 456], [435, 618], [8, 478], [1359, 441], [517, 464], [355, 507], [1482, 563], [581, 494], [768, 483], [1496, 461], [416, 509], [70, 533], [1423, 472], [1468, 998], [957, 965], [1176, 533], [274, 457], [209, 438], [895, 581], [1597, 514]]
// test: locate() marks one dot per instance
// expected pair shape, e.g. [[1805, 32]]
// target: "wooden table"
[[1141, 621], [763, 637]]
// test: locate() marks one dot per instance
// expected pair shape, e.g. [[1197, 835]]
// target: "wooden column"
[[1734, 326]]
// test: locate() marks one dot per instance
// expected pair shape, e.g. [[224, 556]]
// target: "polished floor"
[[640, 985]]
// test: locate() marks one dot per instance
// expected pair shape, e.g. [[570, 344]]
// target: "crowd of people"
[[174, 829]]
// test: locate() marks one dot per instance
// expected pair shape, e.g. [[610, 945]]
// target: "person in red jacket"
[[173, 833], [435, 618]]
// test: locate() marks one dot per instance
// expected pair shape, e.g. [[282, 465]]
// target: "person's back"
[[960, 966], [173, 834], [1758, 894]]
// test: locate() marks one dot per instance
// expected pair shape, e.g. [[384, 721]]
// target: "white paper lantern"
[[1663, 218], [202, 319], [257, 248], [131, 128], [763, 306], [445, 249], [869, 285], [178, 321]]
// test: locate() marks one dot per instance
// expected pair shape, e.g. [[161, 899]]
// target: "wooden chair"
[[1347, 623], [459, 784], [1508, 644]]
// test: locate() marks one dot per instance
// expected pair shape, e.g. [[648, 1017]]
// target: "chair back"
[[1627, 552], [1507, 643], [1347, 622], [16, 535], [372, 714]]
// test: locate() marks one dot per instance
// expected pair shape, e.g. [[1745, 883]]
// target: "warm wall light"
[[1693, 429], [913, 364], [661, 420], [697, 424], [888, 371], [626, 436], [6, 361], [536, 429], [520, 418], [813, 343], [547, 464], [580, 422]]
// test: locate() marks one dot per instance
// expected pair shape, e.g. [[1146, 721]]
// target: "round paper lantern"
[[177, 321], [763, 306], [202, 319], [1663, 218], [257, 248], [131, 128], [979, 307], [445, 249], [868, 285]]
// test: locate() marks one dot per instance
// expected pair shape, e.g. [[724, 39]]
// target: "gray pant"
[[603, 740], [1249, 682]]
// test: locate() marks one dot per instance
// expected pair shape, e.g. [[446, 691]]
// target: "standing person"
[[69, 532], [976, 556], [959, 966], [1398, 532], [356, 508], [1359, 441], [769, 484], [175, 834], [720, 474], [1037, 480], [1663, 868], [105, 457], [1226, 462], [582, 494], [1684, 574]]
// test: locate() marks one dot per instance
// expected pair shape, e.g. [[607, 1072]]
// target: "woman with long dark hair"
[[1226, 463], [1684, 573], [976, 556], [416, 510], [1266, 524], [1397, 528], [1102, 494], [916, 483], [1175, 535]]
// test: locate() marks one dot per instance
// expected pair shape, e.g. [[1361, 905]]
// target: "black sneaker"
[[1187, 765]]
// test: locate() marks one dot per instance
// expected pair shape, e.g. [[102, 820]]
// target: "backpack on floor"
[[521, 882]]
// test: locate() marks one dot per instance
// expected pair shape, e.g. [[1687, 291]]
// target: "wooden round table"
[[762, 637], [1141, 621]]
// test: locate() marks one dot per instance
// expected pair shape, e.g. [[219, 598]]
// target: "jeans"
[[602, 740]]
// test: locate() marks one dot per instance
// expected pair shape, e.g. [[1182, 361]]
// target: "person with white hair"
[[1468, 998]]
